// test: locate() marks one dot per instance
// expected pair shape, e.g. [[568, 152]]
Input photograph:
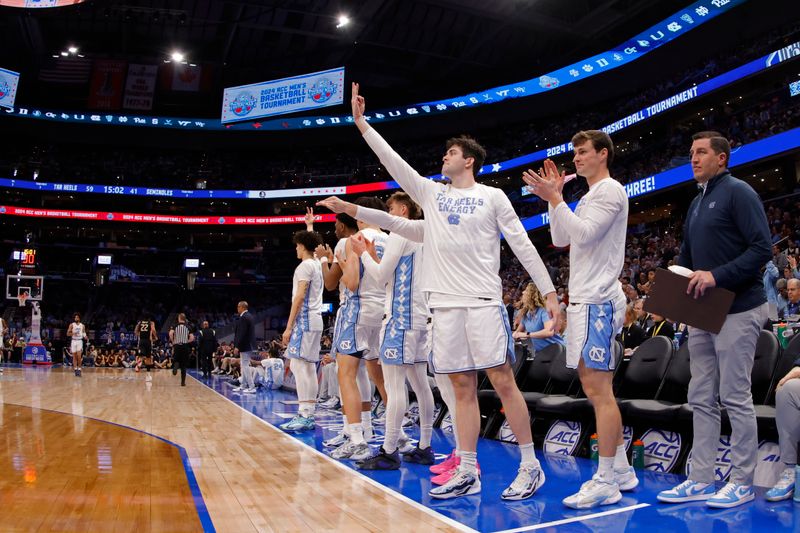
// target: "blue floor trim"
[[194, 487], [499, 461]]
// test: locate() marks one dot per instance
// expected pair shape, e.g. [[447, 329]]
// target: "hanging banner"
[[278, 97], [8, 87], [105, 89], [139, 87], [186, 77]]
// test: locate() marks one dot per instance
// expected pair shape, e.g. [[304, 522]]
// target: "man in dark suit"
[[206, 346], [244, 343]]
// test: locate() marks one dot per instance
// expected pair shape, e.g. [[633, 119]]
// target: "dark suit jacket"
[[245, 333], [208, 340]]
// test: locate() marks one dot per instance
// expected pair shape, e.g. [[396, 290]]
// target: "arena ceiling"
[[420, 48]]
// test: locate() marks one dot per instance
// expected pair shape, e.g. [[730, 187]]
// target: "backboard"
[[33, 285]]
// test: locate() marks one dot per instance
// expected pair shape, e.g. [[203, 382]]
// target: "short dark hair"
[[76, 315], [469, 148], [371, 202], [414, 210], [599, 140], [718, 143], [347, 220], [308, 240]]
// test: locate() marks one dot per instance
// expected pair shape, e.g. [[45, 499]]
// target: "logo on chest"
[[711, 205], [454, 220]]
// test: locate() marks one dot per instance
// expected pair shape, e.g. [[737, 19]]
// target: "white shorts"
[[591, 329], [76, 346], [403, 346], [470, 338], [359, 341], [304, 345]]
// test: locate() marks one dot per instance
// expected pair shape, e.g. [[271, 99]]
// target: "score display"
[[26, 257]]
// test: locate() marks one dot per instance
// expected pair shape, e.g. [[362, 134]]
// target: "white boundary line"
[[427, 510], [575, 519]]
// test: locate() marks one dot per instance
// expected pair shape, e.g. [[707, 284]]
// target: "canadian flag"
[[185, 77]]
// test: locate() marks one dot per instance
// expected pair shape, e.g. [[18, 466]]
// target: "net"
[[22, 298]]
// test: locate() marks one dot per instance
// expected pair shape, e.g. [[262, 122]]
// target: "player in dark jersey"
[[146, 333]]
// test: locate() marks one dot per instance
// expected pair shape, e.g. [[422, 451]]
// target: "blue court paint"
[[487, 512]]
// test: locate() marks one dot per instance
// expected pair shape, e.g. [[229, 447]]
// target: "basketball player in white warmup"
[[3, 329], [345, 227], [358, 337], [304, 329], [595, 233], [404, 345], [77, 332], [463, 224], [414, 231]]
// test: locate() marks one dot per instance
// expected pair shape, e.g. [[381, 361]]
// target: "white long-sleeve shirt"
[[364, 306], [595, 233], [461, 250], [399, 271]]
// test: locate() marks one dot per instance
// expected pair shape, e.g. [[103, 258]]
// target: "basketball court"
[[113, 453]]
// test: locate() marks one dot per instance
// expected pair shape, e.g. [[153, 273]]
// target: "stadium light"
[[72, 50], [177, 56], [343, 21]]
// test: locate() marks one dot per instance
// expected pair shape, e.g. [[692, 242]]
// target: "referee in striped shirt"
[[180, 337]]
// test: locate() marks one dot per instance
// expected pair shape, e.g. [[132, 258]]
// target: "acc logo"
[[322, 90], [221, 220], [4, 88], [390, 353], [562, 437], [769, 465], [548, 82], [722, 466], [597, 354], [35, 350], [345, 345], [627, 436], [454, 220], [505, 434], [2, 209], [110, 216], [243, 104], [447, 423], [661, 449]]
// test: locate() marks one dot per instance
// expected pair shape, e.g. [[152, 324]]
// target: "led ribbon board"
[[747, 153], [658, 35], [768, 61]]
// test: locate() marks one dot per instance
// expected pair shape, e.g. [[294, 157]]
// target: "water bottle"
[[638, 455], [783, 339], [593, 450]]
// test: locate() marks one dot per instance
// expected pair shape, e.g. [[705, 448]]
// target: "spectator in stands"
[[632, 334], [535, 324], [793, 300], [661, 327], [787, 419], [642, 317]]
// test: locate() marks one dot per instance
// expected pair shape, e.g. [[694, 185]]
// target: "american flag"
[[66, 70]]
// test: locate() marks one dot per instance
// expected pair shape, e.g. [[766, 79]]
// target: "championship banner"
[[288, 95], [140, 86], [8, 87], [105, 89]]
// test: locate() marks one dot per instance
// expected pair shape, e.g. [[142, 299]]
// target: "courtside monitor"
[[103, 259], [191, 263]]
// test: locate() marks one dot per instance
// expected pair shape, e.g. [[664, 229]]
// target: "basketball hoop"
[[22, 298]]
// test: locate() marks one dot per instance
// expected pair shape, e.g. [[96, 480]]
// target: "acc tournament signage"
[[661, 449], [8, 87], [722, 466], [288, 95], [563, 437]]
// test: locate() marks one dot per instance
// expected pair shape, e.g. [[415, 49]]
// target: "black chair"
[[765, 414], [533, 376], [561, 380], [668, 399]]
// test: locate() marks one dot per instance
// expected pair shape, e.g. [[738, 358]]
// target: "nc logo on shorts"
[[390, 353], [345, 345], [597, 354], [292, 349], [661, 449], [562, 437], [454, 220]]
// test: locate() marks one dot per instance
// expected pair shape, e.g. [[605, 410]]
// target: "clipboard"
[[668, 298]]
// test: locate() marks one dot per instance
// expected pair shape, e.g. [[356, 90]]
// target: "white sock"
[[469, 461], [366, 424], [307, 409], [356, 433], [621, 459], [527, 454], [605, 469], [418, 377]]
